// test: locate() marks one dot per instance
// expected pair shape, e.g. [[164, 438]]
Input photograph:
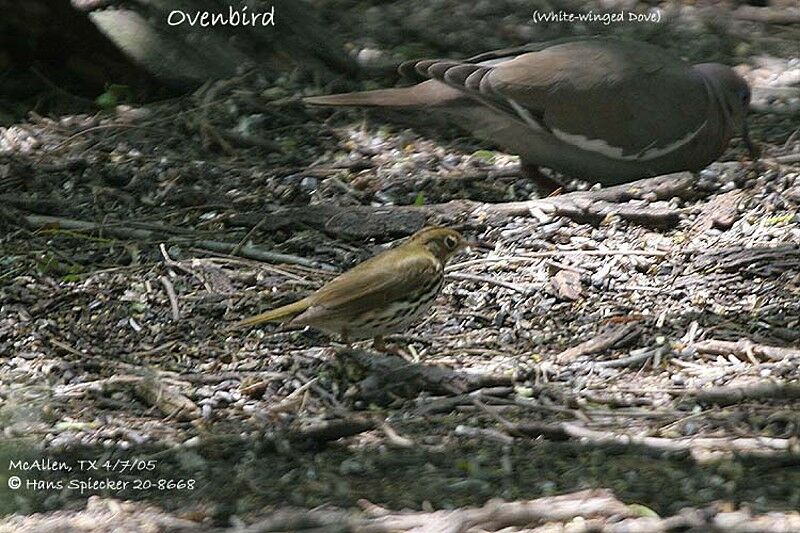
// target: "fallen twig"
[[776, 109], [151, 389], [754, 446], [722, 396], [165, 398], [580, 203], [333, 429], [365, 221], [498, 515], [104, 386], [745, 348], [173, 298], [635, 358], [787, 159], [293, 398], [489, 395], [598, 503], [394, 439], [491, 434], [618, 336], [124, 232], [393, 375], [534, 257], [490, 281], [761, 261], [152, 351], [767, 15]]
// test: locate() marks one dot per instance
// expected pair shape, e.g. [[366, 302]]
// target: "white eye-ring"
[[451, 242]]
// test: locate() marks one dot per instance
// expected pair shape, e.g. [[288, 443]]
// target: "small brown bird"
[[385, 294]]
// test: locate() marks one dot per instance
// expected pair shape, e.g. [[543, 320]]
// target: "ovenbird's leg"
[[379, 344]]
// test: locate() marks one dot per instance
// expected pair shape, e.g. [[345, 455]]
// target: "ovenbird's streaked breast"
[[385, 294]]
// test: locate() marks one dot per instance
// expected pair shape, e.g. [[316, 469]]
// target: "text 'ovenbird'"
[[385, 294]]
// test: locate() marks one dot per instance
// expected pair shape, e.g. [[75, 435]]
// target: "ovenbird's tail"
[[281, 313]]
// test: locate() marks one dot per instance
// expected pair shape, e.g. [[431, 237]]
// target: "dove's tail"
[[429, 93]]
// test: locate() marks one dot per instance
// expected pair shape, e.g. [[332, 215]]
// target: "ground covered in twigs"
[[643, 340]]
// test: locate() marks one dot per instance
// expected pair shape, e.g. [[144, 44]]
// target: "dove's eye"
[[744, 94]]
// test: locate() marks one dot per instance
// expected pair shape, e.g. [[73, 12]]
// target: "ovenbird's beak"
[[467, 244]]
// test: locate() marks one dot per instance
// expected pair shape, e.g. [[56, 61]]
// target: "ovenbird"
[[385, 294]]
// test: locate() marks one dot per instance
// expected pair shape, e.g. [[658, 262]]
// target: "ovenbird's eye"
[[451, 242]]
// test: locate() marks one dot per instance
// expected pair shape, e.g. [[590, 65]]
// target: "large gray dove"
[[600, 109]]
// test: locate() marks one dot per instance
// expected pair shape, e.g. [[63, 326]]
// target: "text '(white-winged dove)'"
[[599, 109]]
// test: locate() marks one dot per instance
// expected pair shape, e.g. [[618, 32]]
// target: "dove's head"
[[734, 95]]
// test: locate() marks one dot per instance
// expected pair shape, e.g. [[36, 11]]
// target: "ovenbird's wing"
[[376, 283]]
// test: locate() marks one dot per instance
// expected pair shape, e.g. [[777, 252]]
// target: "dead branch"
[[353, 222], [293, 399], [488, 395], [173, 298], [307, 521], [746, 348], [35, 205], [636, 357], [489, 281], [596, 210], [360, 222], [151, 390], [599, 510], [776, 109], [750, 446], [532, 257], [767, 15], [497, 515], [616, 401], [329, 430], [394, 439], [658, 188], [493, 516], [392, 375], [614, 337], [103, 386], [165, 398], [596, 205], [124, 231], [762, 261], [483, 433], [722, 396], [788, 159]]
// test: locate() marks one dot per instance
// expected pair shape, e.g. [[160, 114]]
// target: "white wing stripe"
[[525, 115], [614, 152]]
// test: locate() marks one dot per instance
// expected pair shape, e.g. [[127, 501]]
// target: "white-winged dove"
[[594, 108]]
